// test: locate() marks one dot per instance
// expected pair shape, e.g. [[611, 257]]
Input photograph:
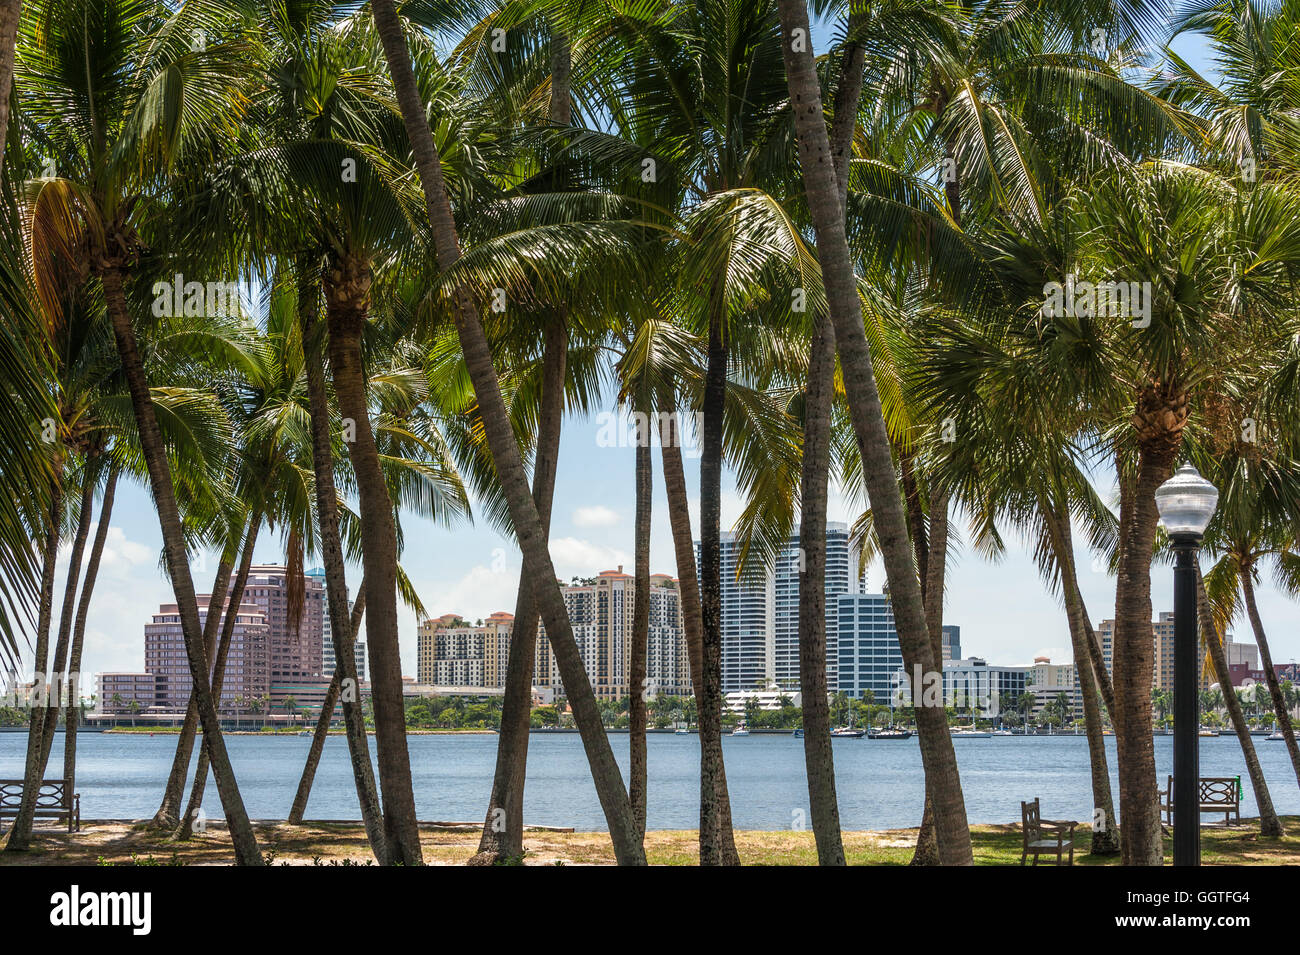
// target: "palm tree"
[[10, 13], [1193, 348], [1259, 493], [873, 440], [73, 716], [505, 451], [97, 221]]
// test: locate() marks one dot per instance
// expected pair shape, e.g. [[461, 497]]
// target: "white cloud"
[[482, 590], [581, 558], [597, 515]]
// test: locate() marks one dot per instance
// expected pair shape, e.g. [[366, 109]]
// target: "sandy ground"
[[114, 842], [124, 843]]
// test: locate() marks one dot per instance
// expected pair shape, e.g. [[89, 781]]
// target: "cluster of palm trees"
[[965, 261]]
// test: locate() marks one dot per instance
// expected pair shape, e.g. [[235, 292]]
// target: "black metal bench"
[[1215, 794], [53, 801]]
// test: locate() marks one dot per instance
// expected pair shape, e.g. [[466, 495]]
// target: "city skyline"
[[474, 571]]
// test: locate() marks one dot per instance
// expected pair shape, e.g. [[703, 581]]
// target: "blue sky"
[[1004, 611]]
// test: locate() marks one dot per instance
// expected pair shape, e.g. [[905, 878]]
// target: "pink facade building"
[[247, 674]]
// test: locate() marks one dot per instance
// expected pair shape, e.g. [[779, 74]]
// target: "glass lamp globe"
[[1186, 503]]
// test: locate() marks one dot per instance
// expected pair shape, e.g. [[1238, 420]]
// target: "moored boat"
[[889, 732]]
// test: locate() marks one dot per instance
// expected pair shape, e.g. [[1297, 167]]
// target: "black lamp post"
[[1186, 502]]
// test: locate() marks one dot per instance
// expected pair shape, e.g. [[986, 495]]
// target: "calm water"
[[121, 776]]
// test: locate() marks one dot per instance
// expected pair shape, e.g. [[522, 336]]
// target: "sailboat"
[[889, 732]]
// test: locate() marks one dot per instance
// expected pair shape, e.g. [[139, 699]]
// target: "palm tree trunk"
[[717, 846], [1134, 661], [1266, 658], [1105, 829], [1269, 825], [169, 811], [20, 834], [79, 627], [505, 451], [59, 685], [160, 481], [318, 737], [818, 756], [299, 808], [637, 683], [815, 466], [938, 757], [343, 628], [503, 829], [347, 300], [679, 519], [186, 826], [10, 14], [930, 540]]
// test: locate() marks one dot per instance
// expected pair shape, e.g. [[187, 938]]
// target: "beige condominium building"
[[1162, 631], [600, 611], [1048, 680], [453, 652]]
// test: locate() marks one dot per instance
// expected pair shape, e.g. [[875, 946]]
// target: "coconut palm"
[[10, 12], [98, 217], [845, 309], [505, 451]]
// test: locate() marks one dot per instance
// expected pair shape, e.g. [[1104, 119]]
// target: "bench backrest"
[[1214, 789], [1030, 819], [53, 794]]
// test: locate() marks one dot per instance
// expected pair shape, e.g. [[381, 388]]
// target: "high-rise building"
[[272, 654], [1048, 680], [1242, 654], [247, 673], [600, 612], [868, 655], [452, 652], [295, 647], [951, 642], [117, 691], [1162, 633], [327, 635], [760, 610]]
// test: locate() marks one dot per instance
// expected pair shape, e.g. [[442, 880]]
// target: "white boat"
[[681, 731], [1282, 736], [970, 733], [740, 731], [1002, 733]]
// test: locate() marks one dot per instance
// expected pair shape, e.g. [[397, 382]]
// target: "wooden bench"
[[53, 801], [1045, 836], [1215, 794]]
